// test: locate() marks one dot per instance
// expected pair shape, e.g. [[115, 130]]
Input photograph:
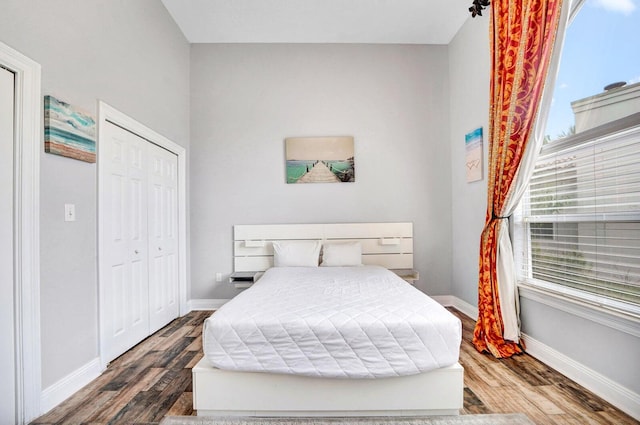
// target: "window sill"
[[617, 315]]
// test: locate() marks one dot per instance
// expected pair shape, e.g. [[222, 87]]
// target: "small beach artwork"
[[68, 131], [473, 150], [320, 159]]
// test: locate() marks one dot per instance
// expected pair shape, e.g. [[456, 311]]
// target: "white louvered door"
[[163, 240], [138, 247], [7, 296], [124, 253]]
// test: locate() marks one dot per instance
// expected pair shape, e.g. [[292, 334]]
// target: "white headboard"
[[385, 244]]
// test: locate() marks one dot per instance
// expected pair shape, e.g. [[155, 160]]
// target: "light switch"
[[69, 212]]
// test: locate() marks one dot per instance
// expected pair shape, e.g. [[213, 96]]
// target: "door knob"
[[136, 252]]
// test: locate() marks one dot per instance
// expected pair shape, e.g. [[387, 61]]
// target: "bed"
[[349, 338]]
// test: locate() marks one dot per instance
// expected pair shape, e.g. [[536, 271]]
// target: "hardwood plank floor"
[[154, 379]]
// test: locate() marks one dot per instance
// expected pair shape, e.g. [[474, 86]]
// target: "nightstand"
[[409, 275], [244, 279]]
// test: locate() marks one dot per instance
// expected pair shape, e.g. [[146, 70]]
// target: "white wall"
[[246, 99], [469, 68], [131, 55]]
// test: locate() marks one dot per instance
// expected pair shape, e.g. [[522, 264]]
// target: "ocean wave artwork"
[[473, 153], [68, 131]]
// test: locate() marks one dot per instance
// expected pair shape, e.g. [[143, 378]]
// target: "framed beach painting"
[[320, 159], [68, 131], [473, 154]]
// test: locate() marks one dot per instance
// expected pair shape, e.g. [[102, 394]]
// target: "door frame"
[[107, 113], [28, 111]]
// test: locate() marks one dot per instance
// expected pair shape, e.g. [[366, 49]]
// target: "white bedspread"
[[344, 322]]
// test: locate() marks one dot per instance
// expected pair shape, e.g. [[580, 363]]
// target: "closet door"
[[7, 296], [124, 248], [163, 239]]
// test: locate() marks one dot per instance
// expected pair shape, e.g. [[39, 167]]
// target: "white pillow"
[[342, 254], [296, 253]]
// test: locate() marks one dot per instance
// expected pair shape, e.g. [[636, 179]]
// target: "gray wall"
[[603, 349], [611, 352], [246, 99], [469, 68], [131, 55]]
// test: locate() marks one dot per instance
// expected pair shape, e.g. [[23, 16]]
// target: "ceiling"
[[319, 21]]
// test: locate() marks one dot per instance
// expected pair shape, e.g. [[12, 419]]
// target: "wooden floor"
[[154, 379]]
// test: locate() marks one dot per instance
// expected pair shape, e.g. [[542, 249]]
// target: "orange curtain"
[[522, 36]]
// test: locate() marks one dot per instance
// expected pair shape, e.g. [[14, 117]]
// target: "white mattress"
[[339, 322]]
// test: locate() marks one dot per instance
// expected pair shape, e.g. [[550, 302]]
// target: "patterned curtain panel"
[[522, 36]]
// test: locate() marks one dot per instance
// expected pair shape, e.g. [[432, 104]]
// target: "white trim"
[[621, 397], [108, 113], [212, 304], [70, 384], [27, 230], [445, 300], [581, 308], [462, 306]]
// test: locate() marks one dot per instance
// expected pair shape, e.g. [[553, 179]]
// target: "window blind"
[[581, 217]]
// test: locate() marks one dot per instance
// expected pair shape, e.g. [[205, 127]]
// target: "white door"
[[163, 238], [124, 248], [7, 313], [139, 243]]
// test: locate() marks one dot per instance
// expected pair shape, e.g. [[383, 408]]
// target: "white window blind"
[[580, 222]]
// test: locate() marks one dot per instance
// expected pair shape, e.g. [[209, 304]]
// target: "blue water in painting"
[[473, 139], [61, 136], [297, 169], [343, 169], [338, 165], [72, 117]]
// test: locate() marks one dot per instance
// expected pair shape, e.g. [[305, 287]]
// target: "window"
[[541, 231], [581, 216], [578, 226]]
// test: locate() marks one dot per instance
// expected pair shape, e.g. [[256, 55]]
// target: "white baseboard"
[[211, 304], [460, 305], [69, 385], [621, 397]]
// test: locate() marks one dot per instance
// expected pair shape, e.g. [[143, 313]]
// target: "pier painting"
[[320, 159], [68, 132], [473, 148]]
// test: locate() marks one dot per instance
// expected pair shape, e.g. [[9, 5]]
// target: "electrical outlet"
[[218, 277]]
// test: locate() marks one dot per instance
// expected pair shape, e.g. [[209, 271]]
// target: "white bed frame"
[[226, 393]]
